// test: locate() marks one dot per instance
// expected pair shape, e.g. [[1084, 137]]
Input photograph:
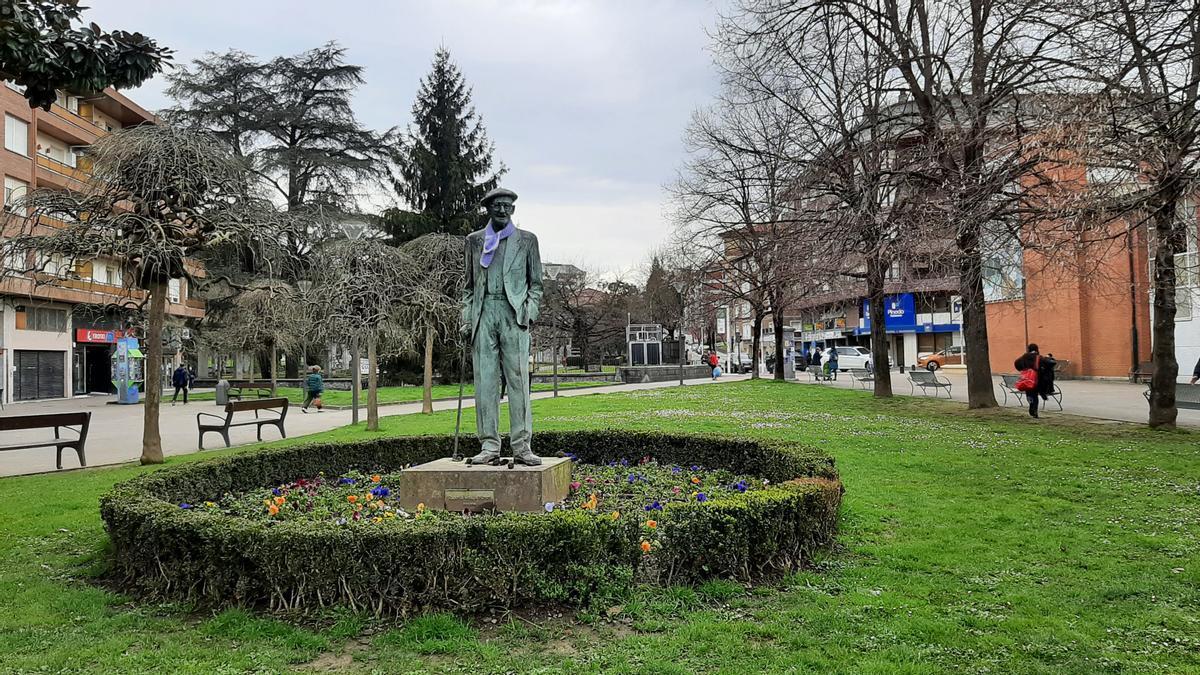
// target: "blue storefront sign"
[[901, 317]]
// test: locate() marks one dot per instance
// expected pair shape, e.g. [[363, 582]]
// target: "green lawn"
[[970, 543], [395, 394]]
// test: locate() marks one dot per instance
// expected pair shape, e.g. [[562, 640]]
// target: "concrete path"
[[115, 435], [1102, 399]]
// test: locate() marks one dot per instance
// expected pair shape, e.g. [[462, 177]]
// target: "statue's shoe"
[[484, 457], [527, 458]]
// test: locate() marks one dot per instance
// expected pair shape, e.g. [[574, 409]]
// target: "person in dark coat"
[[1032, 358], [182, 381], [1195, 373]]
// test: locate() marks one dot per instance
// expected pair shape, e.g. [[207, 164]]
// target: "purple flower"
[[695, 468], [571, 456], [675, 469], [701, 497], [549, 507], [632, 478], [345, 481], [277, 492], [380, 491], [185, 505], [653, 506], [740, 486], [624, 462]]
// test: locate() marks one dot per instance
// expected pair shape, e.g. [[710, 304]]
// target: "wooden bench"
[[278, 408], [1144, 372], [1008, 385], [865, 378], [46, 421], [926, 380], [1187, 396]]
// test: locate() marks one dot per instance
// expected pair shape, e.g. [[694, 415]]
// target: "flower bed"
[[315, 525]]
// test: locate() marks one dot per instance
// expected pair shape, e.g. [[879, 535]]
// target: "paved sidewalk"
[[1102, 399], [115, 435]]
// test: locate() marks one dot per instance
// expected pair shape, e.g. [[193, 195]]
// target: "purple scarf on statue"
[[491, 241]]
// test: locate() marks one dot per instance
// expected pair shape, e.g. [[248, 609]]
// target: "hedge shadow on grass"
[[161, 551]]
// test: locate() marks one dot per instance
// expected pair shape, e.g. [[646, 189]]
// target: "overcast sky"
[[586, 100]]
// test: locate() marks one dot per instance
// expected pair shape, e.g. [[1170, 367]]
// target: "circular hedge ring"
[[202, 555]]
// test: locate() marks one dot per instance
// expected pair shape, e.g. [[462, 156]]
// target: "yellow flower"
[[370, 496], [266, 502], [209, 504], [652, 524], [616, 514], [645, 546], [390, 514], [377, 519], [374, 505], [420, 507], [272, 509]]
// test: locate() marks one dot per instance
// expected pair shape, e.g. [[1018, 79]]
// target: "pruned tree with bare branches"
[[159, 197], [433, 311]]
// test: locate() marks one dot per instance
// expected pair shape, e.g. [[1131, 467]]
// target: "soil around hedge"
[[162, 551]]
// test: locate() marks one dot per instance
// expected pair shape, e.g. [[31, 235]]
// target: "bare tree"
[[159, 197], [266, 314], [1140, 61], [355, 289], [733, 209], [433, 310]]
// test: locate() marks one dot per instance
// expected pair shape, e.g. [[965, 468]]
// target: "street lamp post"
[[354, 231]]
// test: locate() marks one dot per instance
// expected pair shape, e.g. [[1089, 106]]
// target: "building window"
[[16, 135], [1186, 274], [1003, 263], [15, 191], [173, 288], [67, 101], [45, 319]]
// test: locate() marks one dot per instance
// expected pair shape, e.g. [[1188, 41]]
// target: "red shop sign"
[[89, 335]]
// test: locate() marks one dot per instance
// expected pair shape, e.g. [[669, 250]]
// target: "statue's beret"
[[498, 192]]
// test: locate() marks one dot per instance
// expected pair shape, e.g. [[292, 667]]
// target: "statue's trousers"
[[501, 343]]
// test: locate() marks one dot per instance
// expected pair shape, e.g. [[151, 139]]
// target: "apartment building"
[[56, 338]]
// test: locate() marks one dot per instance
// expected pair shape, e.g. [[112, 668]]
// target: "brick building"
[[55, 338]]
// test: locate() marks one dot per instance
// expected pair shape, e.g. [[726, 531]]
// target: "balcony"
[[69, 127], [56, 174]]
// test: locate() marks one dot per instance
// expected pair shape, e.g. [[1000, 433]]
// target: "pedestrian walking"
[[1036, 376], [1195, 373], [831, 363], [182, 381], [314, 386]]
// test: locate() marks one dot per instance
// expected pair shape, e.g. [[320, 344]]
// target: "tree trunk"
[[152, 452], [290, 368], [1162, 328], [372, 387], [879, 341], [274, 368], [427, 394], [980, 390], [777, 322], [755, 341], [355, 381]]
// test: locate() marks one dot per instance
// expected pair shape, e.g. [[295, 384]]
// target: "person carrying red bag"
[[1036, 376]]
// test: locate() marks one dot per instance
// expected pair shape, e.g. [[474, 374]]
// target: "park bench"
[[865, 378], [1008, 385], [56, 421], [238, 392], [1187, 396], [276, 408], [1144, 372], [926, 380]]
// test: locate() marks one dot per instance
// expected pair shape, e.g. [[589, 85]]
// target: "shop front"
[[917, 324], [93, 360]]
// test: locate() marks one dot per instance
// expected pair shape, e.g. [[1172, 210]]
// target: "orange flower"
[[370, 496], [352, 498], [616, 514], [695, 480], [652, 524], [376, 478], [272, 509], [280, 500], [645, 546]]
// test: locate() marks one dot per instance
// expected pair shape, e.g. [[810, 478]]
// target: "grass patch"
[[971, 541]]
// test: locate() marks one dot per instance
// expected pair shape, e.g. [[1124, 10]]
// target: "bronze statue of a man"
[[500, 302]]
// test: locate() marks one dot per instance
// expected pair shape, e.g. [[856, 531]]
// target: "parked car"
[[738, 363], [950, 356], [854, 357]]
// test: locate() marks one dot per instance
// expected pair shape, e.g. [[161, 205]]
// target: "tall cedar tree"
[[445, 163], [42, 50]]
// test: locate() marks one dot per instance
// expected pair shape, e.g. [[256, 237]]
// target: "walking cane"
[[462, 376]]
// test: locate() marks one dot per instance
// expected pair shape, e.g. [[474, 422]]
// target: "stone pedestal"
[[447, 485]]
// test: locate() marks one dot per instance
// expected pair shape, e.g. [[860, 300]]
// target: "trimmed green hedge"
[[163, 551]]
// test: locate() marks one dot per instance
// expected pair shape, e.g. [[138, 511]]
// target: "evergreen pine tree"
[[445, 163]]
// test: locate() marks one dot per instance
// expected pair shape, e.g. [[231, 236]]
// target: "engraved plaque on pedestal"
[[447, 485]]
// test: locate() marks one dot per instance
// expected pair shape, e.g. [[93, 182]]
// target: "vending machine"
[[128, 370]]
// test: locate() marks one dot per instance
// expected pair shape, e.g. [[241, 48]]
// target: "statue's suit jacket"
[[522, 278]]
